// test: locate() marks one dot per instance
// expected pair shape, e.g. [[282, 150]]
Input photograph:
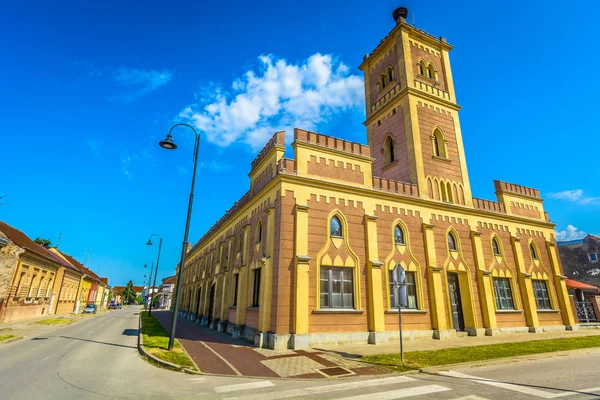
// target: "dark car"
[[90, 309]]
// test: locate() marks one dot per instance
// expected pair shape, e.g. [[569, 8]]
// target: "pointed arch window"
[[496, 247], [259, 232], [533, 251], [389, 153], [430, 71], [390, 74], [383, 81], [452, 245], [399, 235], [439, 144], [421, 67], [335, 227]]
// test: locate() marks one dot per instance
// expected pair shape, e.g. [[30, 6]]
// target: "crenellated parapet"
[[488, 205], [330, 142], [391, 186], [264, 166], [516, 189]]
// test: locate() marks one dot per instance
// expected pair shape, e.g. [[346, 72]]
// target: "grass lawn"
[[55, 321], [5, 335], [156, 341], [422, 359]]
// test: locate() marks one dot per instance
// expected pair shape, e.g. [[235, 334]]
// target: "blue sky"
[[87, 90]]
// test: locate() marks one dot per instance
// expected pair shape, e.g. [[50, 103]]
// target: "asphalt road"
[[97, 358]]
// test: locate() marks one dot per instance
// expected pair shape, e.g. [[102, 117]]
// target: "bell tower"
[[412, 116]]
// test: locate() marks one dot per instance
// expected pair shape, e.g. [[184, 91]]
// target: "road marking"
[[223, 359], [243, 386], [89, 332], [284, 394], [400, 393], [515, 387], [508, 386], [573, 392], [471, 397], [196, 381]]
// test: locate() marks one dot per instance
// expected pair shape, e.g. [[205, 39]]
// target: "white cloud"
[[276, 96], [574, 196], [142, 81], [571, 233]]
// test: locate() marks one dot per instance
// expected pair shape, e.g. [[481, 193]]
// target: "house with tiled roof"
[[92, 289], [33, 280]]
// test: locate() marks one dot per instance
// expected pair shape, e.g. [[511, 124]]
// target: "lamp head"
[[168, 143], [145, 265], [149, 242]]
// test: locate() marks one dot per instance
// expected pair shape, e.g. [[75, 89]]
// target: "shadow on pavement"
[[95, 341], [130, 332]]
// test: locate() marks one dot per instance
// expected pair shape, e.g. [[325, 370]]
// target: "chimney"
[[400, 14]]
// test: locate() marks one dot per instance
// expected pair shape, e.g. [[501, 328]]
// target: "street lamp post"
[[149, 283], [157, 261], [169, 145]]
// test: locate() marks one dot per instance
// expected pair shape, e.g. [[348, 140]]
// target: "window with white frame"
[[503, 292], [593, 257], [337, 287]]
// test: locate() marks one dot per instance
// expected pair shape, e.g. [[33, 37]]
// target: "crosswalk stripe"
[[243, 386], [399, 393], [284, 394], [508, 386]]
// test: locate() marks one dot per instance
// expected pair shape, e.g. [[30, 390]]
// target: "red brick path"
[[219, 353]]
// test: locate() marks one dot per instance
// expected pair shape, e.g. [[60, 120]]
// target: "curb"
[[506, 360], [156, 360]]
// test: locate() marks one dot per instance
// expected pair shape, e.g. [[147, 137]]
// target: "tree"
[[128, 293], [43, 242]]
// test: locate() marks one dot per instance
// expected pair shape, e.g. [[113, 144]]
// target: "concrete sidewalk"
[[32, 326], [218, 353], [360, 350]]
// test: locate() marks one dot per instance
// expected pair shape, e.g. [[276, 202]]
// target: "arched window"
[[452, 241], [390, 74], [421, 67], [430, 71], [382, 79], [439, 145], [259, 232], [335, 227], [449, 192], [398, 235], [389, 155], [533, 251], [496, 247]]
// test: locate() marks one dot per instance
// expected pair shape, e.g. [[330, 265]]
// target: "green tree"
[[43, 242], [128, 293]]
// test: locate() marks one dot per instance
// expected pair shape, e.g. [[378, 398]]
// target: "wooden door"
[[458, 321]]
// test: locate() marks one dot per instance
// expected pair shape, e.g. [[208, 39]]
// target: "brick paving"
[[218, 353]]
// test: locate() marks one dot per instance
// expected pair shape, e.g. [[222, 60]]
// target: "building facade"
[[310, 253], [581, 259]]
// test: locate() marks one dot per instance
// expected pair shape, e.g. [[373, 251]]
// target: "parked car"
[[90, 309]]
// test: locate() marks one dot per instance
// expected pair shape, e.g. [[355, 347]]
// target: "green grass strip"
[[156, 342], [55, 321], [4, 338], [422, 359]]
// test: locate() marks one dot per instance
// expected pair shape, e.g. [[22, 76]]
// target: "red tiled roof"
[[80, 266], [169, 280], [22, 240], [573, 284]]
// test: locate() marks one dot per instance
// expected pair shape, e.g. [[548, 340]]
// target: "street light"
[[157, 261], [149, 283], [169, 145]]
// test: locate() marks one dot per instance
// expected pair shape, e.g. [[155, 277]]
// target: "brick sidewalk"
[[218, 353]]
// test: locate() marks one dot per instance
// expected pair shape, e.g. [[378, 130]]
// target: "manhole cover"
[[336, 371]]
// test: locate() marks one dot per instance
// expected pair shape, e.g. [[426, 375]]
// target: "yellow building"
[[31, 278], [309, 254]]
